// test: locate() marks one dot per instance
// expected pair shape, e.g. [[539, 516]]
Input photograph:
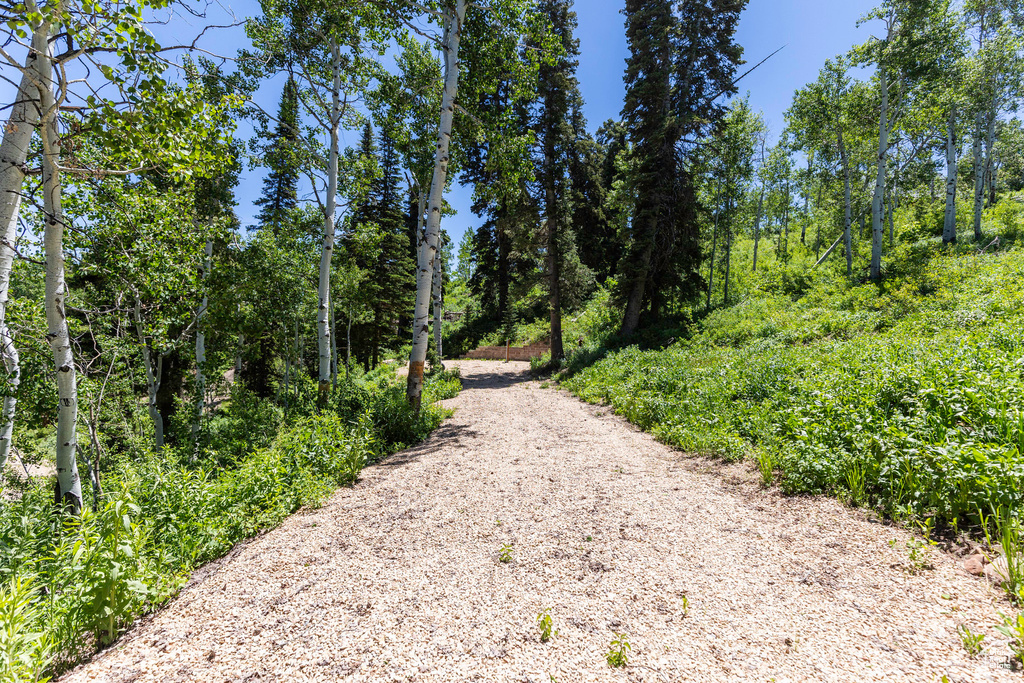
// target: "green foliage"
[[618, 654], [545, 624], [1013, 628], [505, 552], [906, 398], [971, 641]]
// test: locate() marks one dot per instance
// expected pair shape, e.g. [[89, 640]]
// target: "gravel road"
[[708, 577]]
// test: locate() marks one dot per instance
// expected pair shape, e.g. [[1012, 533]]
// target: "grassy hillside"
[[907, 397]]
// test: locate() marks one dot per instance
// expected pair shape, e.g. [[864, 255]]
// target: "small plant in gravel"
[[1013, 554], [766, 464], [685, 603], [505, 554], [1014, 630], [618, 655], [544, 623], [971, 641]]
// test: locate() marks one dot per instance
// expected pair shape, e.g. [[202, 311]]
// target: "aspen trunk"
[[438, 296], [807, 202], [348, 345], [428, 239], [154, 377], [201, 346], [990, 147], [979, 176], [714, 242], [238, 358], [949, 220], [728, 253], [334, 346], [847, 204], [68, 493], [324, 289], [13, 152], [877, 227], [757, 225]]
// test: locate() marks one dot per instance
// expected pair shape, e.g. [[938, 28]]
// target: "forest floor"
[[710, 577]]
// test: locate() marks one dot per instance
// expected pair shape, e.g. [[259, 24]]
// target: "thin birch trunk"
[[154, 377], [990, 146], [68, 493], [297, 360], [979, 176], [428, 240], [877, 227], [847, 203], [714, 241], [949, 220], [757, 225], [728, 252], [438, 297], [807, 201], [324, 289], [334, 346], [348, 345], [13, 154], [201, 346], [238, 358]]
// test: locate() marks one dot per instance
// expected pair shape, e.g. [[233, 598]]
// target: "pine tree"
[[681, 63], [559, 99], [380, 222], [280, 187]]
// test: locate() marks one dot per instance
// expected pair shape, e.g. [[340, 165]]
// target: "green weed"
[[1014, 630], [544, 623], [505, 553], [618, 654], [971, 641]]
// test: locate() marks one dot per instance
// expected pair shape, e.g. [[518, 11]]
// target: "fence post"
[[506, 350]]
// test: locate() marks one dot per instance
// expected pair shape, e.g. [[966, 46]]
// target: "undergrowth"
[[70, 585], [908, 398]]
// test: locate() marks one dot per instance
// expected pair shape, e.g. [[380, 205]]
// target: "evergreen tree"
[[558, 99], [683, 59], [280, 186], [383, 247]]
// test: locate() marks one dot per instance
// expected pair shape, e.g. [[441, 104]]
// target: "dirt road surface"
[[708, 577]]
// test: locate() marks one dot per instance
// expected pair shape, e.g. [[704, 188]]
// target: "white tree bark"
[[438, 310], [334, 346], [949, 220], [201, 344], [990, 147], [13, 152], [154, 377], [757, 225], [69, 486], [324, 289], [979, 175], [428, 239], [847, 203], [877, 202]]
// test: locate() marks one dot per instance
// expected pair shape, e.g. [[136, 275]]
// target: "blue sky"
[[811, 30]]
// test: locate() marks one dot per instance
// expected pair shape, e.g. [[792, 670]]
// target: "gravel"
[[709, 577]]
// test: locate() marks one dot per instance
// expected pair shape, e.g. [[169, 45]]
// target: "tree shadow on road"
[[494, 380], [448, 435]]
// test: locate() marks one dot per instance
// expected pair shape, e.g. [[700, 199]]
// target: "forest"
[[836, 303]]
